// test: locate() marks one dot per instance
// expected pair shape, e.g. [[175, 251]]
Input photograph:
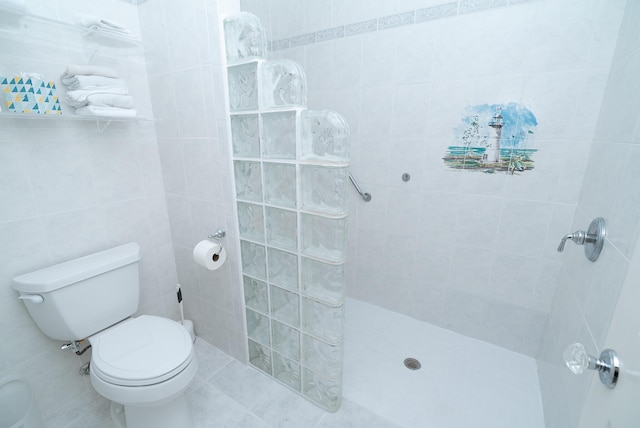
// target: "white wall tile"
[[478, 220], [346, 62], [318, 68], [448, 101], [378, 56], [432, 269], [472, 269], [410, 111], [18, 200], [75, 234], [514, 278], [456, 48], [414, 54], [465, 313], [60, 174], [428, 301], [523, 227], [376, 108], [439, 215], [189, 102]]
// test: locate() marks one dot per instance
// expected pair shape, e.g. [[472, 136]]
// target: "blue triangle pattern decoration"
[[26, 95]]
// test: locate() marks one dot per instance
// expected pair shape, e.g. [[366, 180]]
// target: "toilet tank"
[[83, 296]]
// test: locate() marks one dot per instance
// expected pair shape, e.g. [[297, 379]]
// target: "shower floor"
[[463, 382]]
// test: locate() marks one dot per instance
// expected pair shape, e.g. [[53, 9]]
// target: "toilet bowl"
[[144, 364]]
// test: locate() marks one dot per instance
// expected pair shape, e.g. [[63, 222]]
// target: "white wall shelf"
[[21, 28], [102, 122]]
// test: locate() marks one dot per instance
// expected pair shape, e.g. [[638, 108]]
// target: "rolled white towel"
[[88, 70], [92, 82], [110, 100], [79, 97], [105, 111]]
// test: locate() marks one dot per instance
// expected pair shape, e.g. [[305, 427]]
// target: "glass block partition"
[[291, 173]]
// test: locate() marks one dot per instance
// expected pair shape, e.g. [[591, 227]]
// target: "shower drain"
[[412, 364]]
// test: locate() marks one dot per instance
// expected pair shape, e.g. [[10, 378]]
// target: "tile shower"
[[291, 168], [552, 56]]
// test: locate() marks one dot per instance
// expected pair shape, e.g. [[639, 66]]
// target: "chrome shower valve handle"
[[608, 364], [592, 239], [578, 237]]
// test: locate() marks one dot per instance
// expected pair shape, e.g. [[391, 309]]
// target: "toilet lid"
[[141, 351]]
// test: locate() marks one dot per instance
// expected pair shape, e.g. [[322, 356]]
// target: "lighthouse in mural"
[[480, 146], [492, 154]]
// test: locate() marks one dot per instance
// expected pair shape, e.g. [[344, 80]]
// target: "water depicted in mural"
[[494, 138]]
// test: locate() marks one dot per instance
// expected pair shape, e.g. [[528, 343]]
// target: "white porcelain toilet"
[[144, 363]]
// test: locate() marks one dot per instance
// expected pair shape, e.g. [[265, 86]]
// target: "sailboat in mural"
[[495, 138]]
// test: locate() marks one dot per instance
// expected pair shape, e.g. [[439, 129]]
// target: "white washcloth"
[[88, 70], [105, 111], [92, 82], [79, 97], [110, 100]]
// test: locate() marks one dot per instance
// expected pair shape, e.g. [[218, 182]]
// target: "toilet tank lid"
[[58, 276]]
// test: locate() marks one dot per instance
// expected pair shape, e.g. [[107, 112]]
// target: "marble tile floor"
[[226, 393], [463, 382]]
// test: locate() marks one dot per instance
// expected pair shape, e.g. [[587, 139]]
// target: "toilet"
[[144, 363]]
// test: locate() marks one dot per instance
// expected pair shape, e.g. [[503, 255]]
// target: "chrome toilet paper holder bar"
[[220, 233]]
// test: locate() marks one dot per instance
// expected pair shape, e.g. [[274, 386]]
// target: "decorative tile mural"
[[494, 138]]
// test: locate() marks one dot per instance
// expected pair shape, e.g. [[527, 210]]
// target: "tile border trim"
[[411, 17]]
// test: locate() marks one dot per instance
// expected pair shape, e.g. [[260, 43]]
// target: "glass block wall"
[[291, 173]]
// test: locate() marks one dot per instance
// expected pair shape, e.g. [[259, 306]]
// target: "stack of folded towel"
[[105, 27], [97, 91]]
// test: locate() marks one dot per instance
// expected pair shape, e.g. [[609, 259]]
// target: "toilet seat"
[[141, 351]]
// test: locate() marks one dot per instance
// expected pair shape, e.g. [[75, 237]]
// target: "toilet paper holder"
[[220, 233]]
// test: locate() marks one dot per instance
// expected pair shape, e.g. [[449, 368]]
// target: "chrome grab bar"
[[365, 196]]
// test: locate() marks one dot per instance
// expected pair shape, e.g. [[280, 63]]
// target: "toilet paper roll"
[[209, 254]]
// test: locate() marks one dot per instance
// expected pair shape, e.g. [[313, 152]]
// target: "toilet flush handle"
[[34, 298]]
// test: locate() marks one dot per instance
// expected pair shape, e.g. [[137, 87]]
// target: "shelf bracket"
[[102, 128], [89, 52]]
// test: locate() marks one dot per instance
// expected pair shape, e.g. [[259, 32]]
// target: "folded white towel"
[[88, 70], [90, 21], [106, 36], [79, 97], [92, 82], [110, 100], [105, 111]]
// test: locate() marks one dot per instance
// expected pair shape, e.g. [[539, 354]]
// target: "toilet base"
[[169, 415]]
